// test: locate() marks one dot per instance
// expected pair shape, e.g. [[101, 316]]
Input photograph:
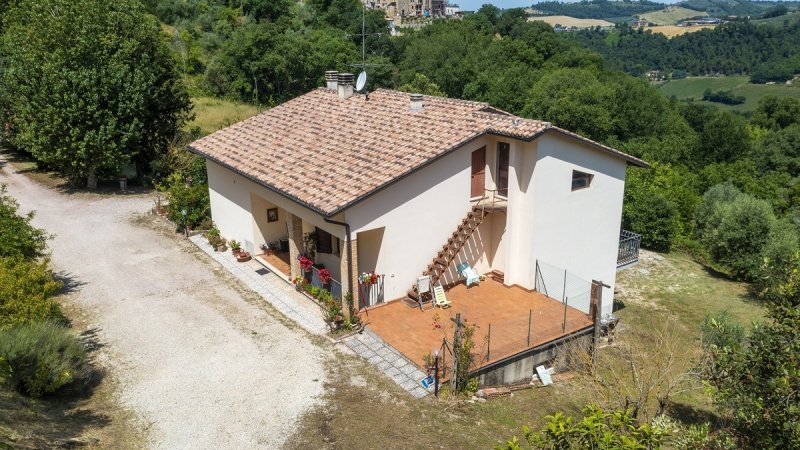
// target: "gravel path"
[[197, 364]]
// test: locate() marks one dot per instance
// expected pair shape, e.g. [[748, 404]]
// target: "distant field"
[[212, 114], [671, 15], [694, 87], [567, 21], [674, 30]]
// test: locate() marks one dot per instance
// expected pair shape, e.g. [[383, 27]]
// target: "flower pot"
[[307, 275], [243, 257]]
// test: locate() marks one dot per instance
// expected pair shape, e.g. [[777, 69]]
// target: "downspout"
[[349, 244]]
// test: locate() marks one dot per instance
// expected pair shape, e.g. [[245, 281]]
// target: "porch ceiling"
[[413, 332]]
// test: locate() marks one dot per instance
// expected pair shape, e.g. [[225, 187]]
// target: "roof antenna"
[[361, 82]]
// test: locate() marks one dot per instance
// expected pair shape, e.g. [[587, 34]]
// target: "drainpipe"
[[349, 244]]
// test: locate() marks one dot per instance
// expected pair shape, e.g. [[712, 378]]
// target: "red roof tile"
[[327, 153]]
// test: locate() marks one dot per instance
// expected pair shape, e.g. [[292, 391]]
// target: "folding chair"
[[439, 298], [423, 291]]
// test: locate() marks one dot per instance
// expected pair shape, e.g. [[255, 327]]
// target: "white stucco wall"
[[235, 200], [419, 214], [576, 230]]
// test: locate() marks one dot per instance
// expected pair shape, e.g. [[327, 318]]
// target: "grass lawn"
[[212, 114], [366, 410], [693, 88]]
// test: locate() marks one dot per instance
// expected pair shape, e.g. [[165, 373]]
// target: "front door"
[[478, 172]]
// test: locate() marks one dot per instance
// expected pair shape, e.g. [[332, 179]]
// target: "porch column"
[[295, 225], [347, 283]]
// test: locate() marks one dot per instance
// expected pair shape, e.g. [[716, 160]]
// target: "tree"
[[422, 85], [777, 112], [756, 379], [724, 138], [92, 86], [271, 10]]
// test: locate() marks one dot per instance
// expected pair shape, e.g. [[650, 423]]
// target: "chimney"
[[332, 79], [345, 86], [416, 102]]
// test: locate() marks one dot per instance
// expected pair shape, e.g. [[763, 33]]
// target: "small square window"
[[581, 180]]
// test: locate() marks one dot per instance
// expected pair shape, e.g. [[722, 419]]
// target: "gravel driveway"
[[197, 364]]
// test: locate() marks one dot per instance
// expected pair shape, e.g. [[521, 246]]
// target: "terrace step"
[[498, 276]]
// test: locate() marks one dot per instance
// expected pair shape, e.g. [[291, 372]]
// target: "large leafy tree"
[[91, 85]]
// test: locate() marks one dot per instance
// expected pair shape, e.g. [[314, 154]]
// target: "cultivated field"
[[567, 21], [671, 15], [671, 31], [694, 87]]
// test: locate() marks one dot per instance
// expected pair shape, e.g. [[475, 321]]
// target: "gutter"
[[349, 243]]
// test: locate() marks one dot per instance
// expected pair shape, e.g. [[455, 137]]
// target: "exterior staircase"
[[454, 244]]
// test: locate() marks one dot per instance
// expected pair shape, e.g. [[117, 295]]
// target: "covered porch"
[[509, 320]]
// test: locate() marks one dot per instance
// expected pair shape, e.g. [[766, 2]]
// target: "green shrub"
[[43, 357], [17, 235], [188, 201], [649, 212], [26, 292]]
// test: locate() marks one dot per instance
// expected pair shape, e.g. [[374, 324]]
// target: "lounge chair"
[[440, 299], [468, 273], [423, 291]]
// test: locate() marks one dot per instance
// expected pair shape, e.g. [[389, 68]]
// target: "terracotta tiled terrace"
[[278, 261], [414, 332]]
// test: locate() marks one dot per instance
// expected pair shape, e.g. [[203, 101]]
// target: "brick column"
[[346, 284], [295, 225]]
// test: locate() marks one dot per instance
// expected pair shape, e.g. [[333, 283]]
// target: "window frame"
[[502, 147], [321, 235], [581, 175]]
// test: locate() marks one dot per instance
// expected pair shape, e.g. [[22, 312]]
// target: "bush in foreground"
[[27, 291], [43, 357]]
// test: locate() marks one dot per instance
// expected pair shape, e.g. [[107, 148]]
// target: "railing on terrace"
[[370, 294], [629, 243], [492, 200], [334, 287], [564, 286]]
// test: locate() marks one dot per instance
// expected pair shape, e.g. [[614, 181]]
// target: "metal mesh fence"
[[561, 285]]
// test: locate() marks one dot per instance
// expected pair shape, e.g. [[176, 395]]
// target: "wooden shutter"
[[324, 244], [502, 168], [478, 173]]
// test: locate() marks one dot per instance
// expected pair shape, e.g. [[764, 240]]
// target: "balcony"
[[628, 253]]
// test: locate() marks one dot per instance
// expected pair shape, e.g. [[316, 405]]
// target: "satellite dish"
[[362, 81]]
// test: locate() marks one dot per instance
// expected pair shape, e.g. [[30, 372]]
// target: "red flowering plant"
[[325, 276], [368, 278], [305, 263]]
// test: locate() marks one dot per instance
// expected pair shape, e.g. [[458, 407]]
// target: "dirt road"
[[195, 362]]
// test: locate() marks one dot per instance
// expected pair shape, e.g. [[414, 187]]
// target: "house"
[[380, 182]]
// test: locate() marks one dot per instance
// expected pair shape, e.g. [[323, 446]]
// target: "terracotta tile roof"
[[327, 154]]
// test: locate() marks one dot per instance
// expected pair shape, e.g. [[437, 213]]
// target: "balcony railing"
[[628, 253], [370, 294], [334, 287]]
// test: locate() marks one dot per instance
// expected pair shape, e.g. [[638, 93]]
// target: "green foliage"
[[90, 85], [756, 379], [650, 208], [188, 200], [723, 96], [596, 429], [422, 85], [17, 236], [777, 112], [27, 289], [724, 138], [462, 352], [735, 231], [43, 357]]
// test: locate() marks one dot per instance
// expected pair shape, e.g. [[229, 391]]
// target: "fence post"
[[489, 343], [530, 315], [564, 324], [564, 289]]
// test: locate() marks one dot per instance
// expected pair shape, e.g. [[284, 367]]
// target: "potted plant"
[[325, 277], [298, 282], [306, 264], [243, 256], [236, 247]]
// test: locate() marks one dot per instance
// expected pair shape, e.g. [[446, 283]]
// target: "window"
[[478, 181], [581, 180], [324, 241], [502, 168], [337, 247]]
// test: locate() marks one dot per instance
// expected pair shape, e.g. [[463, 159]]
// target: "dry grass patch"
[[212, 114], [567, 21], [671, 31]]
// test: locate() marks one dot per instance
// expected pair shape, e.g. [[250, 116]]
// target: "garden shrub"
[[27, 289], [649, 212], [43, 356], [188, 201], [17, 235]]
